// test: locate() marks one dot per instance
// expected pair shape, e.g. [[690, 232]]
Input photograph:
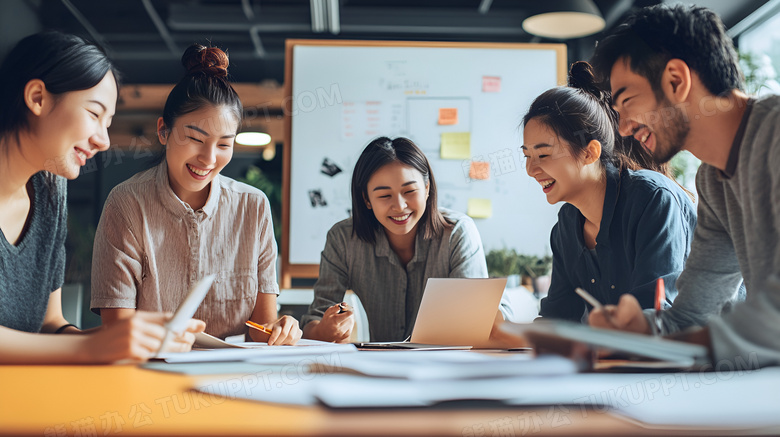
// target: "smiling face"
[[397, 196], [72, 127], [550, 161], [660, 126], [197, 148]]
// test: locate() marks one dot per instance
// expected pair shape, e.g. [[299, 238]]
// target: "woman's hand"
[[335, 326], [285, 331], [183, 342], [136, 339]]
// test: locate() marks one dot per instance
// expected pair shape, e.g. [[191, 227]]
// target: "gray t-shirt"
[[35, 267], [737, 235], [389, 291]]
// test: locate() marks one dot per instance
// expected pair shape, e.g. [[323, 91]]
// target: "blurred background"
[[146, 39]]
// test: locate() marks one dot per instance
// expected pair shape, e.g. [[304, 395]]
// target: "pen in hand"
[[595, 304], [259, 327]]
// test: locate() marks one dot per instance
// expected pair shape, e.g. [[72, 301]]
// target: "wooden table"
[[129, 401]]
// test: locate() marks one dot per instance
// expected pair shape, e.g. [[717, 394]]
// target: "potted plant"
[[538, 270], [503, 263]]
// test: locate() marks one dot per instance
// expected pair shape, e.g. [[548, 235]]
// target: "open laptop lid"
[[458, 311]]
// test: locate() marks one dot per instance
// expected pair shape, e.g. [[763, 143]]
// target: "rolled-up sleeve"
[[117, 267]]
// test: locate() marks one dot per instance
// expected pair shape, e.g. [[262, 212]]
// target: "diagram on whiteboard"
[[461, 106]]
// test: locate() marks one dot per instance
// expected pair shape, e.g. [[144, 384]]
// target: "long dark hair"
[[377, 154], [582, 112], [63, 62], [204, 84]]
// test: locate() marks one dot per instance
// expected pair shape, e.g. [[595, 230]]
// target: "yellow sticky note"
[[448, 115], [480, 208], [456, 145], [479, 170]]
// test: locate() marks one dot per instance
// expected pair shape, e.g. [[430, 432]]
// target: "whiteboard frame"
[[289, 270]]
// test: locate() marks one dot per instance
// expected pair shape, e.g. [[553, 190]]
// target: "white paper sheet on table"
[[445, 365], [206, 341], [708, 400], [257, 352]]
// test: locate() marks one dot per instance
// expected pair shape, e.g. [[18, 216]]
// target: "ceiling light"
[[570, 19], [253, 138]]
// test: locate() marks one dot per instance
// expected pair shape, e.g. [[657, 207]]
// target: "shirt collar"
[[731, 164], [382, 246], [172, 202]]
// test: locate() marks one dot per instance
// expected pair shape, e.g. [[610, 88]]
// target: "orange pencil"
[[259, 327]]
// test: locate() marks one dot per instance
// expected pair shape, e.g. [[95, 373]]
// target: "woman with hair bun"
[[165, 228], [57, 100], [625, 222]]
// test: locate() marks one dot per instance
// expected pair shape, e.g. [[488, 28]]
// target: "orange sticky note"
[[479, 170], [491, 84], [448, 115]]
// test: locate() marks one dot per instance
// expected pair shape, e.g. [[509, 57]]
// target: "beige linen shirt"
[[150, 248]]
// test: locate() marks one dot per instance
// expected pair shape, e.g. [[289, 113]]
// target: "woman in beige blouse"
[[167, 227]]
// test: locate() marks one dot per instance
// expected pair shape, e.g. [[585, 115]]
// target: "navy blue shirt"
[[645, 234]]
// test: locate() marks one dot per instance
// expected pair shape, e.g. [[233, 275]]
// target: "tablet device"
[[186, 310]]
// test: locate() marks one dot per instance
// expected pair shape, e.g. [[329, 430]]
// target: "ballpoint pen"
[[259, 327]]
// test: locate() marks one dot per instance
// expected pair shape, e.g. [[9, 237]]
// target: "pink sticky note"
[[491, 84]]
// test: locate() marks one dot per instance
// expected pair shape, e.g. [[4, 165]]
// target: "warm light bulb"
[[253, 138]]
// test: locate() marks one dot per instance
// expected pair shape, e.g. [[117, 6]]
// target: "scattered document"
[[445, 365], [206, 341], [256, 353]]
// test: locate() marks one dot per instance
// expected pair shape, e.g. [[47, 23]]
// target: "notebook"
[[671, 352], [454, 313]]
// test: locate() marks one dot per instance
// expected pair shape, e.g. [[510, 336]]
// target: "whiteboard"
[[343, 96]]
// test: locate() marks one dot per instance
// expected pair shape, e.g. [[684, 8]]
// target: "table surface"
[[127, 400]]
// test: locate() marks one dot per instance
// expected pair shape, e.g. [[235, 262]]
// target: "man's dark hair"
[[653, 36]]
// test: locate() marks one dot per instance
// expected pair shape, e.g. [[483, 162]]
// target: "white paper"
[[257, 353], [206, 341], [445, 365]]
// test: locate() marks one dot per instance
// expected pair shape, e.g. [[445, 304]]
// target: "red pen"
[[660, 297]]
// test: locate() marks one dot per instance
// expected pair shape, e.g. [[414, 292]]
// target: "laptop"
[[454, 313]]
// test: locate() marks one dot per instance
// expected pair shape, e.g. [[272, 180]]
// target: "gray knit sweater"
[[738, 236]]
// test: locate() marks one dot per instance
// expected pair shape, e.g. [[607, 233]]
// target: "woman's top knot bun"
[[581, 76], [209, 61]]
